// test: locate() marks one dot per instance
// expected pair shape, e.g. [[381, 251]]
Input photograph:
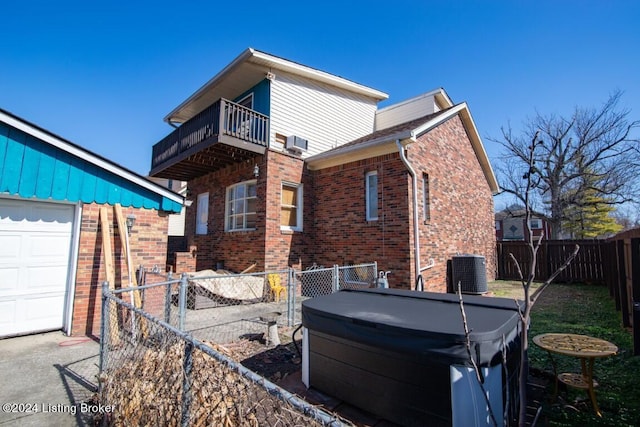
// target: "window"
[[291, 207], [247, 101], [241, 207], [202, 213], [425, 198], [243, 120], [371, 182], [498, 225], [535, 223]]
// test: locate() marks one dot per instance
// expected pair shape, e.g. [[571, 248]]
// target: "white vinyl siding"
[[325, 116], [291, 207], [202, 214], [405, 111], [176, 224], [241, 207], [371, 195]]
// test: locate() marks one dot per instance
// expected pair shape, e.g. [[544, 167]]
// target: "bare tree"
[[531, 180], [592, 150]]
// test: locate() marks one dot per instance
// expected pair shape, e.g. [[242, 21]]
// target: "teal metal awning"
[[37, 164]]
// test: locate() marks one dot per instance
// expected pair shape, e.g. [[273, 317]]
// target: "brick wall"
[[148, 243], [267, 246], [186, 262], [341, 233], [461, 202], [335, 227], [285, 248], [461, 210], [235, 250]]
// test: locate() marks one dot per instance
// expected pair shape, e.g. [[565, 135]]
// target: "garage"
[[52, 231], [35, 254]]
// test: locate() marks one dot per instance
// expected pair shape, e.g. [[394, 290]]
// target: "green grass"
[[588, 310]]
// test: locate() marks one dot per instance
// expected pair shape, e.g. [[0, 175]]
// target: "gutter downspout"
[[416, 234]]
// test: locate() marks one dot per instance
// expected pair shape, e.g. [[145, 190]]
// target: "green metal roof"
[[35, 163]]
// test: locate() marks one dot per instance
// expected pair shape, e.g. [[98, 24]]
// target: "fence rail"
[[614, 262], [162, 358], [589, 265]]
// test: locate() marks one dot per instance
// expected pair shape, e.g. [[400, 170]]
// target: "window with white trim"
[[202, 213], [498, 225], [535, 223], [371, 195], [291, 207], [426, 214], [240, 211]]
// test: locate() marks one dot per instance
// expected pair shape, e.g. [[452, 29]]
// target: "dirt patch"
[[275, 363]]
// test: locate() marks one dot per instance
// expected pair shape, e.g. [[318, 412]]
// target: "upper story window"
[[247, 101], [371, 195], [240, 212], [498, 225], [535, 223], [426, 216], [291, 207], [202, 213]]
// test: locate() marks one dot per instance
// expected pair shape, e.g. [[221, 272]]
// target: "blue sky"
[[103, 74]]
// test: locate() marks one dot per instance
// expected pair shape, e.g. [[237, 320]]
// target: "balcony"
[[218, 136]]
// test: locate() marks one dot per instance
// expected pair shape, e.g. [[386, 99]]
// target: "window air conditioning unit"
[[295, 143]]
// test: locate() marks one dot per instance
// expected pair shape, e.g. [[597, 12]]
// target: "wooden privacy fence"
[[589, 266], [614, 262]]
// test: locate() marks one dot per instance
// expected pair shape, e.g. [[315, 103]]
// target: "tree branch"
[[476, 369]]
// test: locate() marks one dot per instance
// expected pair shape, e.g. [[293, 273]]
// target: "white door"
[[35, 248]]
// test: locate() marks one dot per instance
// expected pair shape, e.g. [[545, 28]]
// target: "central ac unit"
[[295, 143], [470, 272]]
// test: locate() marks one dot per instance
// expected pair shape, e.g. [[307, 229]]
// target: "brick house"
[[511, 225], [51, 261], [287, 165]]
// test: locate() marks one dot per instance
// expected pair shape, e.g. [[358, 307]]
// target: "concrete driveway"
[[46, 379]]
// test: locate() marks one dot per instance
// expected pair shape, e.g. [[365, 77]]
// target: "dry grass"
[[148, 390], [509, 288]]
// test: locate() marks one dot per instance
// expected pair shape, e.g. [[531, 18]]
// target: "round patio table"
[[585, 348]]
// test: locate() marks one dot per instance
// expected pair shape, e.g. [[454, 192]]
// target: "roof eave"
[[247, 53], [476, 142], [315, 74], [275, 63], [375, 147], [90, 157]]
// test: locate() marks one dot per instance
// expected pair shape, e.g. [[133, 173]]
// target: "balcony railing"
[[224, 118]]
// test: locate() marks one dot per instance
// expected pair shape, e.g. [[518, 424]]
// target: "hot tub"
[[401, 355]]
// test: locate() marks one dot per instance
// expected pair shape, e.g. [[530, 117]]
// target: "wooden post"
[[124, 238], [107, 253], [635, 300], [622, 283]]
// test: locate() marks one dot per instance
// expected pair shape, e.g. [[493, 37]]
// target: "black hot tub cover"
[[423, 324]]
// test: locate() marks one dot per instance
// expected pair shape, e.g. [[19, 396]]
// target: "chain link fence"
[[151, 373], [223, 307], [165, 357]]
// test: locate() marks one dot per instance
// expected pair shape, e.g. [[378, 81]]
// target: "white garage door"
[[35, 247]]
